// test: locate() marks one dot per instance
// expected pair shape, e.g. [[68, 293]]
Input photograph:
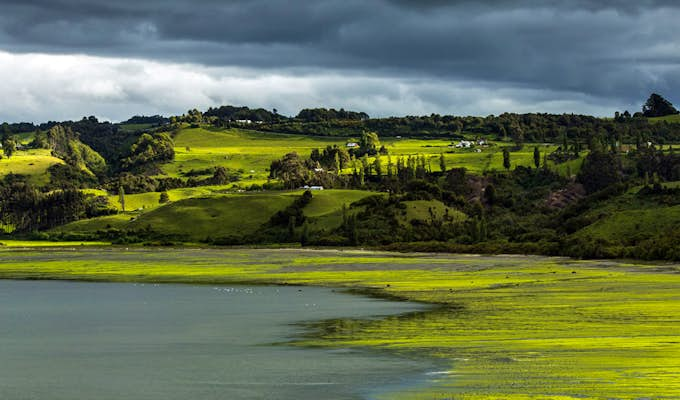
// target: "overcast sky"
[[64, 59]]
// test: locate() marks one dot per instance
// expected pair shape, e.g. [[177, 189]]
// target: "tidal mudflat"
[[505, 327]]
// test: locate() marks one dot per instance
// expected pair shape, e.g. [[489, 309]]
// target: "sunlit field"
[[32, 163], [252, 152]]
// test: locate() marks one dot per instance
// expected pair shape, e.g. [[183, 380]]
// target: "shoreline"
[[509, 318], [12, 244]]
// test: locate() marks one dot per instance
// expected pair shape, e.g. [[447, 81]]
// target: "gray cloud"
[[613, 49]]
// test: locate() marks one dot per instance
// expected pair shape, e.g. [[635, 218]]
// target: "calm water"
[[68, 340]]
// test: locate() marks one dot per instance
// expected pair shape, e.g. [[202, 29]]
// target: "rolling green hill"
[[32, 163], [629, 227], [201, 214], [249, 151], [425, 210], [198, 218], [628, 220]]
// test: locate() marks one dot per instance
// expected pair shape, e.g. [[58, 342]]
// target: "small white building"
[[307, 187], [244, 121], [464, 144], [352, 145]]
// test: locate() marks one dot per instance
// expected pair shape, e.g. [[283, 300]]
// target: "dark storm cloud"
[[612, 49]]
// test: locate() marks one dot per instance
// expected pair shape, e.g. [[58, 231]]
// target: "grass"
[[197, 213], [33, 163], [199, 218], [629, 219], [668, 118], [508, 327], [424, 210], [118, 221], [329, 201], [147, 201], [490, 157], [37, 243], [569, 168], [632, 226], [325, 209], [252, 152]]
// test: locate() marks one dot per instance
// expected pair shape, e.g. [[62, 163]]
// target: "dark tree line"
[[23, 208], [325, 114]]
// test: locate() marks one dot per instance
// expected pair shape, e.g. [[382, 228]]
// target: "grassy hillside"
[[252, 152], [33, 163], [198, 218], [150, 200], [629, 219], [325, 209], [206, 212], [632, 226], [424, 210]]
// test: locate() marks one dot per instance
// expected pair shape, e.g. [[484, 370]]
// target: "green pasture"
[[252, 152], [425, 210], [633, 225], [33, 163], [502, 327], [150, 200], [198, 213], [214, 217]]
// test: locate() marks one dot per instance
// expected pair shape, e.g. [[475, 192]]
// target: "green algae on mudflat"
[[510, 327]]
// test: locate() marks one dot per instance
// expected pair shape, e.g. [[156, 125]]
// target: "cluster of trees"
[[657, 106], [296, 172], [148, 151], [140, 183], [23, 208], [156, 120], [65, 145], [325, 114], [8, 141], [225, 114]]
